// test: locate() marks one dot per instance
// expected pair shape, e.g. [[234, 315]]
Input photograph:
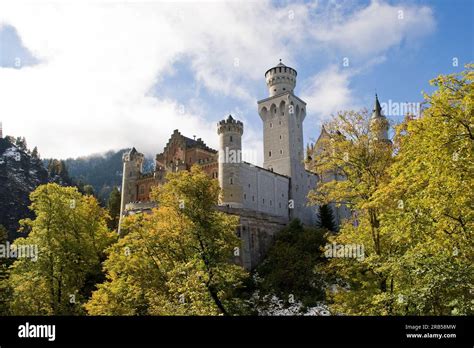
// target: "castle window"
[[284, 89], [279, 122], [231, 181], [281, 152], [269, 154], [245, 196], [280, 134], [230, 138], [279, 205], [271, 125], [270, 203], [253, 198], [249, 185], [263, 200]]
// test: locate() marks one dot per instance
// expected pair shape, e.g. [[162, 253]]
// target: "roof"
[[377, 111]]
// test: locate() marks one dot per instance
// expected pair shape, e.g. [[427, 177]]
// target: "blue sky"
[[99, 76]]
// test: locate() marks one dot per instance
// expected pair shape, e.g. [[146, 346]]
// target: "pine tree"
[[326, 218], [113, 206], [34, 153]]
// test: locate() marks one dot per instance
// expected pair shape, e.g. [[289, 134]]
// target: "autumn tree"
[[176, 260], [429, 203], [69, 234]]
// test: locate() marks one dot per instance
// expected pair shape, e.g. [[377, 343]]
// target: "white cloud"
[[374, 29], [91, 92], [328, 92]]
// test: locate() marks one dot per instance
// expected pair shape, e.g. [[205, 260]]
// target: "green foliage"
[[176, 260], [414, 210], [326, 218], [70, 234], [113, 206], [288, 270], [5, 290]]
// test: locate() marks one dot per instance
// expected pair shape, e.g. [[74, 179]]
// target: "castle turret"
[[230, 156], [132, 168], [280, 79], [379, 124]]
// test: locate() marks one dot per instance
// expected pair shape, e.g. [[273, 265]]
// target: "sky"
[[84, 77]]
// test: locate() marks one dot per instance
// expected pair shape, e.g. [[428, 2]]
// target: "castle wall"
[[264, 191], [257, 232]]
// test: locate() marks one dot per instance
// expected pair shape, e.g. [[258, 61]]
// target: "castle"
[[265, 198]]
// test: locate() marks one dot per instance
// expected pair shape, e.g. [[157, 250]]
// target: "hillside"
[[20, 173]]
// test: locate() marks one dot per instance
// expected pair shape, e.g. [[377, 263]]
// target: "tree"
[[326, 218], [5, 290], [35, 154], [69, 235], [351, 153], [88, 190], [414, 213], [176, 260], [429, 203], [288, 269], [113, 206]]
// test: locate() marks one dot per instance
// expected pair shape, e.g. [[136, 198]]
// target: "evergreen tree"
[[326, 218], [35, 154], [288, 269], [113, 206]]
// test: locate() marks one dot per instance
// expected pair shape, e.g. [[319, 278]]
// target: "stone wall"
[[257, 232]]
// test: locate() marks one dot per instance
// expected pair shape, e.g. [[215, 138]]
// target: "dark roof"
[[377, 111]]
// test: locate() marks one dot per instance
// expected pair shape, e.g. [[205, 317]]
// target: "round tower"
[[280, 79], [132, 168], [230, 157]]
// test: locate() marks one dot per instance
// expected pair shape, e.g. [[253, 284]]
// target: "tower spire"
[[377, 112]]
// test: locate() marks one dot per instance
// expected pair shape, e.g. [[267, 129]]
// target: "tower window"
[[270, 203], [280, 134], [253, 198], [245, 196], [263, 200], [269, 154], [230, 138], [279, 122], [231, 181], [271, 125], [281, 152]]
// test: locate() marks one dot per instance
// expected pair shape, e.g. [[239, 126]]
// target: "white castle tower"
[[283, 114], [230, 156], [132, 168]]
